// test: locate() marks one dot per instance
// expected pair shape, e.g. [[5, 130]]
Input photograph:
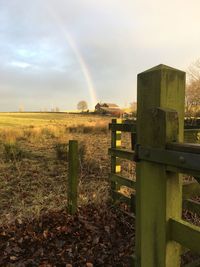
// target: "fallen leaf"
[[45, 233], [13, 258]]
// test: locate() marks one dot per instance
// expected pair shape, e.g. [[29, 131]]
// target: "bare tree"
[[194, 70], [193, 89], [82, 105]]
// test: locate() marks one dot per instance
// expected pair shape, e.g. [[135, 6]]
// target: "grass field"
[[33, 163], [34, 167]]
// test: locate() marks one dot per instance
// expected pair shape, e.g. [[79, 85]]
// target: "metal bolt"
[[182, 159]]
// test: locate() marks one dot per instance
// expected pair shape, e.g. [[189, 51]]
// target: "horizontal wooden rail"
[[122, 153], [186, 234], [121, 198], [192, 127], [122, 180], [130, 126], [192, 206], [188, 204], [184, 147], [183, 170], [122, 127], [189, 160], [191, 190]]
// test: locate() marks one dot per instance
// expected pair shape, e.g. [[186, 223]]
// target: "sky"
[[54, 53]]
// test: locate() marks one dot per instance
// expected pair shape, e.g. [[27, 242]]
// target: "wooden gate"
[[162, 157]]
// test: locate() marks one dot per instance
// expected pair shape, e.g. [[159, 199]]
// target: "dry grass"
[[34, 167]]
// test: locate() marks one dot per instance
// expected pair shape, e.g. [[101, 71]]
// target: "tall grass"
[[12, 151]]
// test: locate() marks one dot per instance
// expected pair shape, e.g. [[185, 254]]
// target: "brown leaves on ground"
[[94, 237]]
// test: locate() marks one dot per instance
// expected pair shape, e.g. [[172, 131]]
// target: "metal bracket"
[[179, 159]]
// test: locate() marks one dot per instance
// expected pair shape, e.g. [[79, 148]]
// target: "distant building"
[[108, 109]]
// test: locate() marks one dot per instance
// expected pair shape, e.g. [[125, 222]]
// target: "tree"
[[82, 105], [193, 89], [194, 70]]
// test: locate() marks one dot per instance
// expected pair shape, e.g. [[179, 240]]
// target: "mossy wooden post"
[[159, 193], [73, 176], [115, 162]]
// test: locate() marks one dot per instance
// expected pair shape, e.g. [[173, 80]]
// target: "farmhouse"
[[108, 109]]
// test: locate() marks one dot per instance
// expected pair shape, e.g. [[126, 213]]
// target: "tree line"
[[192, 100]]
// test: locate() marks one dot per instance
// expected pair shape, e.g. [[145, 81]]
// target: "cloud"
[[115, 39]]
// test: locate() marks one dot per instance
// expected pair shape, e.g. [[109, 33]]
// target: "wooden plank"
[[182, 170], [73, 176], [184, 147], [179, 159], [158, 191], [191, 190], [128, 121], [186, 234], [122, 180], [192, 206], [122, 127], [119, 197], [192, 127], [131, 127], [191, 130], [122, 153], [115, 161]]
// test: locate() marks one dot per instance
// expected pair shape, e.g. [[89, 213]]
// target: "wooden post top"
[[162, 67], [159, 87]]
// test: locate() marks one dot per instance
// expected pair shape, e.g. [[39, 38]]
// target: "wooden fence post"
[[73, 176], [161, 92], [115, 162]]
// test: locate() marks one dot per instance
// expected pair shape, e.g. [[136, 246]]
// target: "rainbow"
[[77, 53]]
